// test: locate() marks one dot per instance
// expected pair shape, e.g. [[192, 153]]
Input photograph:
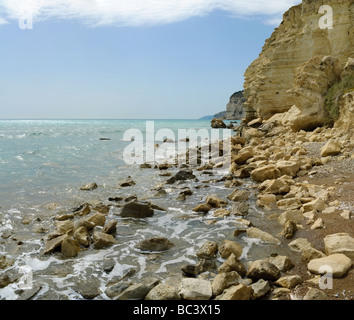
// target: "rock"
[[318, 224], [110, 227], [337, 264], [240, 209], [101, 208], [88, 288], [108, 265], [224, 280], [221, 213], [233, 264], [215, 201], [184, 175], [97, 219], [228, 247], [202, 266], [102, 240], [312, 253], [138, 291], [300, 245], [289, 281], [329, 210], [163, 291], [204, 208], [5, 262], [195, 289], [262, 235], [64, 217], [339, 243], [315, 294], [236, 292], [283, 263], [155, 244], [242, 157], [252, 133], [260, 289], [208, 250], [89, 187], [84, 223], [81, 234], [70, 248], [82, 210], [275, 186], [137, 209], [263, 269], [289, 229], [290, 215], [64, 226], [268, 172], [54, 244], [267, 201], [145, 166], [4, 280], [218, 124], [239, 195], [331, 148], [128, 182], [116, 289], [289, 168], [318, 204]]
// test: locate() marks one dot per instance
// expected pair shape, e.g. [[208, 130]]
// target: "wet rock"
[[4, 280], [238, 195], [236, 292], [220, 213], [337, 264], [228, 247], [184, 175], [215, 201], [110, 227], [233, 264], [289, 281], [54, 244], [84, 223], [163, 291], [195, 289], [116, 289], [29, 293], [70, 248], [101, 208], [218, 124], [64, 226], [108, 265], [88, 288], [202, 266], [97, 219], [208, 250], [263, 269], [260, 289], [64, 217], [155, 244], [102, 240], [145, 166], [262, 235], [82, 210], [339, 243], [89, 187], [224, 280], [240, 209], [315, 294], [128, 182], [137, 209], [5, 262], [204, 208], [289, 230], [138, 291]]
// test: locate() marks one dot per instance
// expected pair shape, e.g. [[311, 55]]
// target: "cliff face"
[[235, 108], [301, 61]]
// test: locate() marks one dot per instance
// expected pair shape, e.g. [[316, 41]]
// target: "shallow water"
[[43, 165]]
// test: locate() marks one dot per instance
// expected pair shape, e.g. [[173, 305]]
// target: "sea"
[[43, 164]]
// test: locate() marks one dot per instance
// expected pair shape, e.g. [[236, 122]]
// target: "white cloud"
[[138, 12]]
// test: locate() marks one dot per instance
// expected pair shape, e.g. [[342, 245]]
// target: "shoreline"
[[257, 143]]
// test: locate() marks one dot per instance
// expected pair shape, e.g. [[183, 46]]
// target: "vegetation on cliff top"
[[334, 95]]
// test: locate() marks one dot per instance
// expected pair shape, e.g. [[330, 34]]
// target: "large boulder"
[[267, 172], [218, 124], [289, 168]]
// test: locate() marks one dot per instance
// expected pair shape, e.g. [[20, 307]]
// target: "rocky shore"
[[302, 182]]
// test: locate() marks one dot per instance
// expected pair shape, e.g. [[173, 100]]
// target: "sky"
[[125, 59]]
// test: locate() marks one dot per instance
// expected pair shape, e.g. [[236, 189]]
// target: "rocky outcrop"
[[300, 62], [235, 108]]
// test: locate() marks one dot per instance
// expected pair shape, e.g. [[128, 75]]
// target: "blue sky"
[[160, 64]]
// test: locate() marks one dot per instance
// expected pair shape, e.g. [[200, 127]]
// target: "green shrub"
[[333, 96]]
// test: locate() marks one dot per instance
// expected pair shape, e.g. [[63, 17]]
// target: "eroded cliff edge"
[[299, 65]]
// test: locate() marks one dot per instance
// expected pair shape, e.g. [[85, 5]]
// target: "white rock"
[[336, 264], [195, 289], [339, 243]]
